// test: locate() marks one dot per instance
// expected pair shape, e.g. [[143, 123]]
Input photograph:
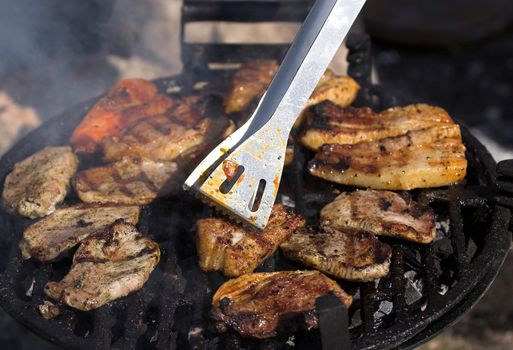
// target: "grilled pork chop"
[[383, 213], [328, 123], [129, 181], [252, 79], [39, 182], [127, 102], [234, 250], [66, 227], [425, 158], [106, 266], [344, 253], [261, 305], [179, 131]]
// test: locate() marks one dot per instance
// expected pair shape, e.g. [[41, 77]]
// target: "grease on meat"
[[262, 305], [66, 227], [343, 253], [383, 213], [106, 267], [40, 182], [235, 250], [425, 158]]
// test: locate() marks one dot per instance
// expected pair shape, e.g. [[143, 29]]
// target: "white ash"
[[385, 308], [31, 288], [443, 289], [193, 332], [413, 288], [442, 229], [286, 200], [291, 341]]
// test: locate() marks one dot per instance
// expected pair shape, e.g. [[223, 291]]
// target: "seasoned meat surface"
[[383, 213], [179, 131], [66, 227], [328, 123], [106, 267], [344, 253], [262, 305], [128, 181], [425, 158], [235, 250], [249, 83], [127, 102], [253, 78], [40, 182]]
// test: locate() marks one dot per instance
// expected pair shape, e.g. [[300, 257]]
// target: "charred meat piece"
[[344, 253], [328, 123], [425, 158], [39, 182], [262, 305], [235, 250], [106, 267], [253, 78], [66, 227], [249, 83], [179, 131], [383, 213], [128, 101], [129, 181]]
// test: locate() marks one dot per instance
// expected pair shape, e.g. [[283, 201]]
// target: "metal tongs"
[[242, 174]]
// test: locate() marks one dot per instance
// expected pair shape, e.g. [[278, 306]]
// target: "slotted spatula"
[[243, 173]]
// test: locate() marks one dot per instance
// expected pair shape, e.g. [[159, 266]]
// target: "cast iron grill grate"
[[425, 286]]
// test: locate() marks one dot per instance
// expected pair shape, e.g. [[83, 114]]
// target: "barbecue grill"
[[429, 286]]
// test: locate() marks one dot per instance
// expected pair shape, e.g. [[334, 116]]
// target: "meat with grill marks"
[[40, 182], [106, 267], [328, 123], [383, 213], [253, 78], [46, 239], [235, 250], [128, 181], [349, 254], [430, 157], [180, 131], [262, 305], [127, 102]]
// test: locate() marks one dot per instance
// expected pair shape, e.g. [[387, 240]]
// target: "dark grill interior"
[[428, 285]]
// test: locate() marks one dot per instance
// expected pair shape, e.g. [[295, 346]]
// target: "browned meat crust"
[[261, 305], [66, 227], [236, 250], [425, 158], [129, 181], [106, 267], [328, 123], [180, 131], [249, 83], [344, 253], [38, 183], [383, 213]]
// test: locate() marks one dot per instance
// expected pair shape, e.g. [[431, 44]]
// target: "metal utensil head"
[[243, 173]]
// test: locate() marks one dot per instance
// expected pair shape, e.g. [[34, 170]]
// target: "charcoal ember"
[[443, 248], [413, 288]]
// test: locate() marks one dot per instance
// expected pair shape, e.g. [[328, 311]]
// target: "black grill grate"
[[171, 311]]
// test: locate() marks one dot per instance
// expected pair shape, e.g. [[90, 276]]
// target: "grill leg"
[[333, 323]]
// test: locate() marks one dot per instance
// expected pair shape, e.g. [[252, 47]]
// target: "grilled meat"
[[179, 131], [129, 181], [235, 250], [252, 79], [425, 158], [344, 253], [261, 305], [106, 266], [249, 83], [39, 182], [66, 227], [328, 123], [127, 102], [383, 213]]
